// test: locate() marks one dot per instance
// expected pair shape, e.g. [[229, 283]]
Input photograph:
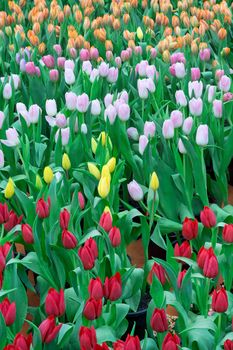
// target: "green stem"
[[214, 237], [207, 296], [2, 232]]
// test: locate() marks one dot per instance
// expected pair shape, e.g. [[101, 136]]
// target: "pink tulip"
[[95, 107], [142, 88], [49, 61], [211, 92], [217, 108], [181, 98], [103, 69], [57, 48], [54, 75], [2, 118], [51, 107], [123, 95], [181, 147], [195, 73], [204, 55], [108, 100], [219, 73], [1, 159], [110, 113], [94, 75], [69, 76], [224, 83], [82, 103], [65, 135], [187, 125], [196, 106], [202, 135], [12, 138], [195, 88], [30, 68], [150, 85], [16, 80], [73, 52], [112, 75], [153, 52], [143, 142], [7, 91], [141, 68], [179, 70], [94, 53], [34, 113], [228, 96], [109, 55], [69, 64], [135, 191], [138, 50], [123, 112], [151, 71], [132, 133], [71, 100], [84, 55], [61, 120], [87, 67], [149, 129], [168, 129], [61, 62], [176, 118], [118, 61], [177, 57]]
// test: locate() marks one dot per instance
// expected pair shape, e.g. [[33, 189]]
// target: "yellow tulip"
[[103, 137], [39, 184], [104, 186], [93, 170], [9, 189], [105, 171], [139, 33], [93, 145], [111, 164], [48, 174], [154, 181], [66, 162]]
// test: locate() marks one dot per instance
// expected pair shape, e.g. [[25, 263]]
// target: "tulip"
[[65, 135], [95, 107], [4, 213], [204, 54], [227, 233], [2, 118], [82, 103], [112, 75], [30, 68], [208, 217], [54, 75], [115, 236], [153, 52], [27, 234], [69, 64], [48, 175], [86, 257], [93, 170], [149, 129], [187, 125], [181, 98], [217, 108], [154, 181], [87, 338], [195, 73], [95, 289], [123, 112], [69, 76], [84, 55], [224, 83], [49, 61], [51, 107], [12, 138], [94, 53], [196, 106], [111, 164], [139, 33], [23, 342], [106, 221], [159, 271], [92, 309], [176, 118], [228, 344], [71, 100], [195, 88], [184, 250], [142, 88], [211, 93], [210, 268], [181, 147], [7, 91], [202, 135], [87, 67], [228, 96], [180, 278], [104, 186], [69, 241], [94, 75], [34, 113], [42, 208], [22, 65], [4, 250], [81, 200], [150, 71], [9, 189], [132, 343], [219, 300], [133, 133], [158, 321], [113, 287], [143, 142], [58, 49], [110, 113], [8, 311], [177, 57], [91, 243], [64, 219], [168, 129], [190, 228], [135, 191], [38, 184], [84, 128], [49, 330], [66, 162], [150, 85], [55, 303], [179, 70], [108, 99], [12, 221], [171, 342]]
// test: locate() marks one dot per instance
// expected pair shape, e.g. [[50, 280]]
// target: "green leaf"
[[64, 334], [104, 334], [2, 332]]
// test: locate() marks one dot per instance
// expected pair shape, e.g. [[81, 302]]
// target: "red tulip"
[[23, 342], [228, 344], [87, 338], [69, 240], [13, 220], [95, 288], [171, 342], [180, 278], [132, 343], [64, 219], [208, 217], [49, 330], [91, 243], [227, 233], [55, 303], [219, 300], [119, 345], [190, 228], [201, 257], [106, 221], [113, 287], [101, 347], [81, 200], [11, 347], [115, 236], [92, 309], [159, 271], [8, 311], [1, 279], [27, 233], [184, 250], [42, 208], [158, 321], [86, 257], [4, 213], [210, 268], [4, 250]]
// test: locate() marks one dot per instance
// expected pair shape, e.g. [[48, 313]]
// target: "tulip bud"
[[27, 234], [87, 338], [64, 219], [210, 268], [69, 76], [190, 228], [227, 233], [113, 287], [9, 189], [66, 162], [133, 133], [38, 184], [111, 164], [176, 118], [135, 191], [49, 330], [81, 200], [115, 236], [171, 341], [95, 107], [228, 344], [71, 100], [195, 73], [42, 208], [187, 125], [217, 108], [184, 250], [181, 98], [219, 300], [7, 91], [104, 186], [8, 311], [48, 175], [106, 221], [51, 107], [123, 111], [94, 145], [158, 321], [95, 289], [154, 181], [82, 103], [92, 309], [12, 221], [4, 213], [158, 271], [202, 135], [69, 241], [208, 217], [23, 342], [93, 170], [168, 129], [180, 278], [110, 113], [55, 303], [149, 129], [139, 33], [196, 106], [224, 83]]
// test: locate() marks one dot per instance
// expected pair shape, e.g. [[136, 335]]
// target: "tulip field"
[[116, 175]]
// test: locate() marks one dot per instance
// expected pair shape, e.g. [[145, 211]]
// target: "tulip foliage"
[[116, 132]]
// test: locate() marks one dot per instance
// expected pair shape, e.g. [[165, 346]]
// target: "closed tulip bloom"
[[133, 133], [123, 112], [49, 330], [27, 234], [94, 53], [93, 170], [111, 164], [86, 257], [228, 344], [82, 103], [158, 271], [115, 236], [69, 241], [51, 107], [42, 208], [110, 113], [202, 135], [171, 342], [60, 120], [95, 107], [142, 88], [149, 129], [113, 287], [81, 200], [168, 129], [143, 142], [112, 75], [12, 138], [205, 54], [4, 213], [180, 278], [30, 68], [9, 189], [65, 136], [54, 75], [217, 108], [187, 125], [2, 118], [154, 181], [181, 98], [106, 221], [131, 343], [92, 309], [176, 118], [196, 106], [184, 250], [219, 300], [195, 88], [34, 113], [69, 76], [69, 64], [108, 99], [195, 73], [227, 233], [190, 228], [87, 338], [103, 69], [158, 321], [66, 165], [104, 186], [55, 303], [95, 288], [179, 70], [71, 100], [224, 83], [23, 342], [135, 191], [49, 61], [94, 75], [211, 93], [181, 147], [58, 49], [7, 91], [8, 311], [48, 175], [12, 221], [210, 268], [91, 243], [201, 257], [4, 250], [208, 217], [84, 55]]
